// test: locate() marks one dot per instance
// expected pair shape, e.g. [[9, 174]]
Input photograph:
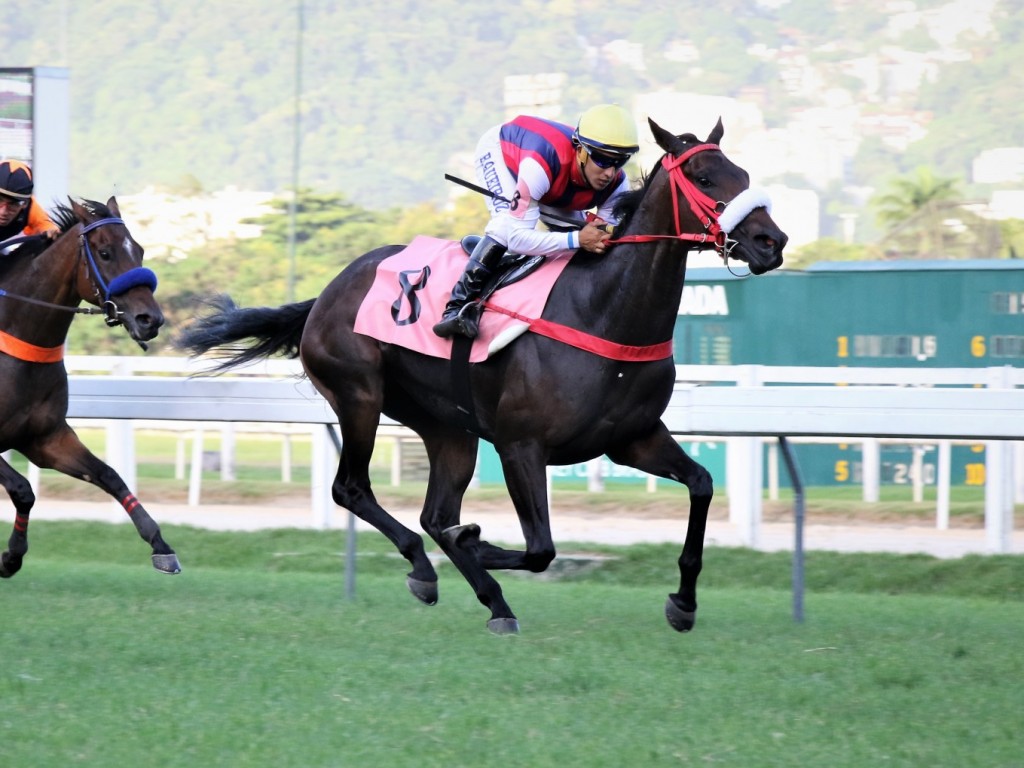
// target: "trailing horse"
[[540, 400], [96, 260]]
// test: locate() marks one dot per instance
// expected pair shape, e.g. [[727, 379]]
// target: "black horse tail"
[[229, 332]]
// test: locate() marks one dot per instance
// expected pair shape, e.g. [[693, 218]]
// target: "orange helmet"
[[15, 180]]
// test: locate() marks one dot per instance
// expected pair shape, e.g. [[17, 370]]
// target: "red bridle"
[[703, 207]]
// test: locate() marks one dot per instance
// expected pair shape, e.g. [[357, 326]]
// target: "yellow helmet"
[[609, 129]]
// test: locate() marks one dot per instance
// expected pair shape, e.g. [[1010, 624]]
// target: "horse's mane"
[[628, 204], [64, 217]]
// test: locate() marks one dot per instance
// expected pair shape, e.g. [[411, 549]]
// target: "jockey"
[[20, 212], [534, 167]]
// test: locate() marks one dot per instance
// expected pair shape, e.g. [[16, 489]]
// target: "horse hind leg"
[[65, 453], [659, 454], [353, 492], [23, 498], [452, 455], [347, 369]]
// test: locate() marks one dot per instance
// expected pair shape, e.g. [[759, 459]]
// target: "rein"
[[51, 305], [32, 353]]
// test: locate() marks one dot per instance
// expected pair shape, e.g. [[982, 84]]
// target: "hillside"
[[197, 95]]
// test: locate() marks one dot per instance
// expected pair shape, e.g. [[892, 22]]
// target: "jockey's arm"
[[520, 234], [516, 227]]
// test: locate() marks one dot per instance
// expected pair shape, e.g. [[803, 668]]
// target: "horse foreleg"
[[659, 454], [524, 470], [20, 491], [64, 452], [523, 465]]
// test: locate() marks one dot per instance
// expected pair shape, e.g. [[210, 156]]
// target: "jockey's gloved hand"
[[593, 218]]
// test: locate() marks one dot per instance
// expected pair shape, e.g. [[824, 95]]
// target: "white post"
[[743, 468], [871, 468], [917, 472], [195, 472], [998, 478], [743, 471], [286, 458], [595, 475], [396, 461], [33, 478], [322, 476], [998, 499], [944, 469], [549, 488]]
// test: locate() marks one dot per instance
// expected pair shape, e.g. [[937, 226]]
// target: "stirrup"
[[464, 322]]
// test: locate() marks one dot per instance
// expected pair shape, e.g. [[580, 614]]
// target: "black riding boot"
[[460, 316]]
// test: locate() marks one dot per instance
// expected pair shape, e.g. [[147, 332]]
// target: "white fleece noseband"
[[741, 206]]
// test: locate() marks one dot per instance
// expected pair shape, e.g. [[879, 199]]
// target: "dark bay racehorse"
[[539, 401], [96, 260]]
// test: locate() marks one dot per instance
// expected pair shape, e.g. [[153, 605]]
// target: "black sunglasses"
[[13, 202], [602, 160]]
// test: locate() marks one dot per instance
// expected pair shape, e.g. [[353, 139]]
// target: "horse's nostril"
[[149, 321]]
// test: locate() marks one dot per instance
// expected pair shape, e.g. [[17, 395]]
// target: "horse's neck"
[[649, 287], [632, 294], [49, 277]]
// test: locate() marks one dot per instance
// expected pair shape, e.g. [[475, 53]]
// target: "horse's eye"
[[704, 181], [105, 254]]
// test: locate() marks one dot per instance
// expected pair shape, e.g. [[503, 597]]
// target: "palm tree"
[[925, 217]]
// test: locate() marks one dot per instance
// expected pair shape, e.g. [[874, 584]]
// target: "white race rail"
[[984, 404]]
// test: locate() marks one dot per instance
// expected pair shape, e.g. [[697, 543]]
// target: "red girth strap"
[[588, 342]]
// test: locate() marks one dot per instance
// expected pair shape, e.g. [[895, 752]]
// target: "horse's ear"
[[80, 211], [112, 205], [715, 137], [665, 140]]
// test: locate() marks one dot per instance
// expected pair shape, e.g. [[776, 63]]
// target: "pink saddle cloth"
[[412, 287]]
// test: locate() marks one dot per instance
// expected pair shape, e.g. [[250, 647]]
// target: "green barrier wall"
[[940, 314]]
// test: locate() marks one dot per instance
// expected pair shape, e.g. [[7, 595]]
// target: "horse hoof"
[[458, 535], [167, 563], [424, 591], [680, 620], [504, 626], [9, 565]]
